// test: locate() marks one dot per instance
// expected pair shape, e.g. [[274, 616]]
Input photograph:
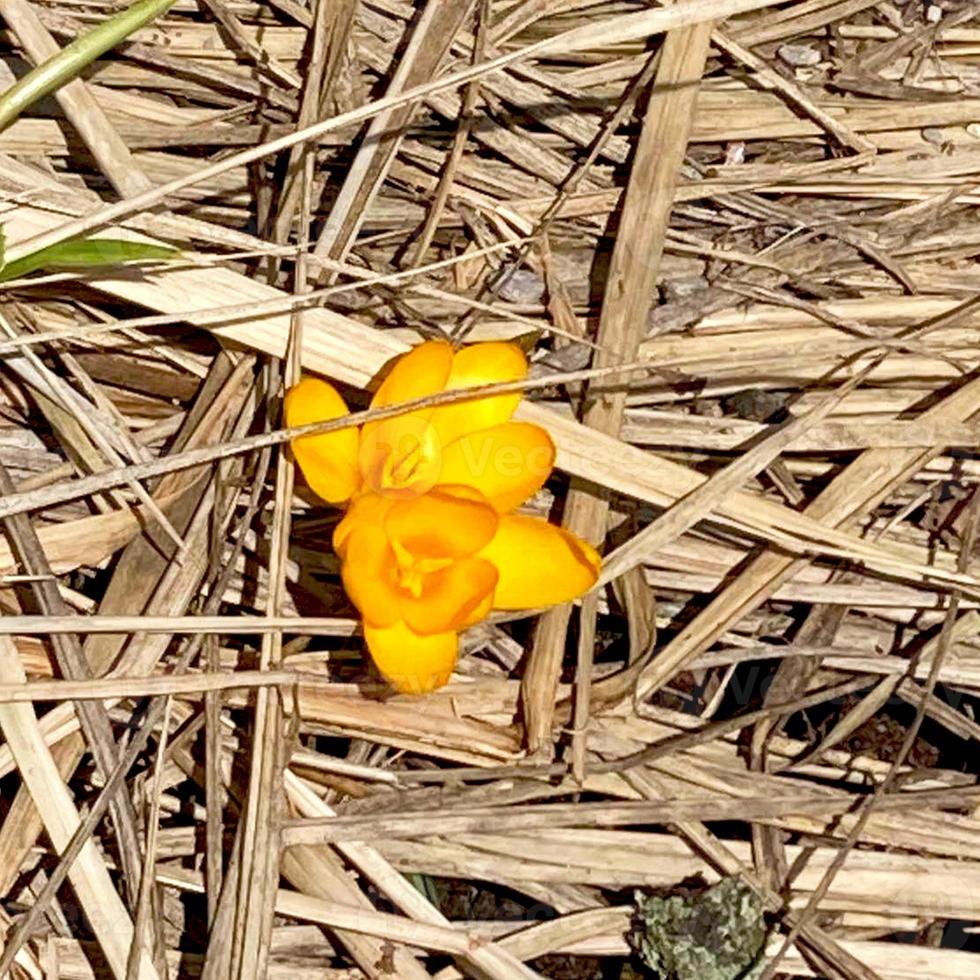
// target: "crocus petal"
[[441, 524], [480, 364], [480, 611], [411, 663], [400, 456], [366, 508], [402, 453], [424, 370], [369, 576], [539, 564], [328, 461], [450, 596], [506, 463]]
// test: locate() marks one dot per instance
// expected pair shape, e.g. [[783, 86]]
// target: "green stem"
[[69, 62]]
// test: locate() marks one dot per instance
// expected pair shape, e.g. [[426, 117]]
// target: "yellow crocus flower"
[[430, 543]]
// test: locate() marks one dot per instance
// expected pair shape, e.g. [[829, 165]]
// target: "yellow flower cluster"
[[431, 543]]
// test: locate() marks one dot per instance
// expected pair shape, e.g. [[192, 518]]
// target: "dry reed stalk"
[[632, 275]]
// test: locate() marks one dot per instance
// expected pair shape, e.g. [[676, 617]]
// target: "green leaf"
[[87, 253], [70, 61]]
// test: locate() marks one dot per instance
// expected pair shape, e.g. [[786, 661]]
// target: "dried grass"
[[770, 206]]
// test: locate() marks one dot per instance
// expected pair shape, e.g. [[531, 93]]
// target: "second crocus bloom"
[[430, 544]]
